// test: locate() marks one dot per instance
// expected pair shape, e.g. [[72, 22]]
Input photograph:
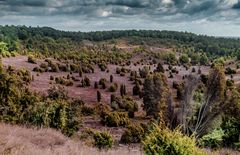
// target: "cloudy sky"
[[211, 17]]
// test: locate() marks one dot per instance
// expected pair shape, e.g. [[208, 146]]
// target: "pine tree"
[[99, 96], [80, 72], [155, 94], [160, 68], [111, 78], [96, 85], [136, 89], [123, 90]]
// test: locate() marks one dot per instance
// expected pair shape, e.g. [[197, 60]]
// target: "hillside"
[[118, 92]]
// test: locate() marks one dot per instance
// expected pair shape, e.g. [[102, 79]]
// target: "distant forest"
[[35, 37]]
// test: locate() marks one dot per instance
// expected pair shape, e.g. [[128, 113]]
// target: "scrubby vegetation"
[[185, 81], [114, 119], [103, 140], [134, 134], [21, 106]]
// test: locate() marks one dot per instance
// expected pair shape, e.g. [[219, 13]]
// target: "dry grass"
[[15, 140]]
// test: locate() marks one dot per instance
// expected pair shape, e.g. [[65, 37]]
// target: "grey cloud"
[[137, 6], [31, 3], [103, 12], [237, 5], [196, 7], [132, 4]]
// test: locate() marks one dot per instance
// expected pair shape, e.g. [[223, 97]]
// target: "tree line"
[[219, 46]]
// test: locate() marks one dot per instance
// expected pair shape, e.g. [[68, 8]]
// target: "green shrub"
[[102, 82], [113, 87], [167, 142], [114, 119], [51, 77], [63, 68], [144, 72], [184, 59], [57, 92], [136, 89], [193, 70], [38, 69], [160, 68], [87, 69], [231, 127], [54, 67], [175, 85], [44, 67], [213, 139], [48, 61], [87, 111], [32, 60], [124, 70], [130, 105], [229, 83], [86, 82], [74, 68], [170, 58], [133, 134], [102, 66], [122, 74], [113, 98], [55, 114], [62, 81], [19, 105], [118, 70], [25, 75], [102, 140], [113, 103], [230, 71], [133, 74], [204, 78], [126, 103], [199, 71]]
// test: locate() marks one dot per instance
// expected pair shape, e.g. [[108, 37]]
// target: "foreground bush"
[[167, 142], [102, 140], [20, 106], [57, 114], [231, 136], [213, 139]]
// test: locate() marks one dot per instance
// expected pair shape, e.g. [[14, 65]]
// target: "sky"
[[210, 17]]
